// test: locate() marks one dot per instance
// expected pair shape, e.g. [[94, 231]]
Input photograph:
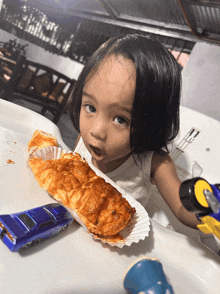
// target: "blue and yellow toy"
[[202, 198], [146, 275]]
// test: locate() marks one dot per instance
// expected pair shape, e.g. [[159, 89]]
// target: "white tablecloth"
[[73, 262]]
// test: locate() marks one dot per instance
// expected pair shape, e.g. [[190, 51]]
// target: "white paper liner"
[[139, 227], [49, 152]]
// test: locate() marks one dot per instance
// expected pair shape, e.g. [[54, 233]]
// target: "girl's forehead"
[[114, 69], [117, 67], [113, 81]]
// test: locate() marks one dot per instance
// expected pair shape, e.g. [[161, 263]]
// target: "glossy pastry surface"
[[72, 181]]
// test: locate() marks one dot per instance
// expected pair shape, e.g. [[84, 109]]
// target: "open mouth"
[[96, 150]]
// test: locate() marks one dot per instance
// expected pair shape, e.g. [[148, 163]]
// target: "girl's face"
[[105, 115]]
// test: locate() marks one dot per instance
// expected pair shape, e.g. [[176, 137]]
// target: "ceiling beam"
[[151, 27], [109, 9]]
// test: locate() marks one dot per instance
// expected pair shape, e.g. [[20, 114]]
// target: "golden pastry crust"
[[40, 140], [71, 181]]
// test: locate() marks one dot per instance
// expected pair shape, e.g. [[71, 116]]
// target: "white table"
[[73, 262]]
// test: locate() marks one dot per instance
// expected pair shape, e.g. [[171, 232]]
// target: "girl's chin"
[[100, 159], [107, 166]]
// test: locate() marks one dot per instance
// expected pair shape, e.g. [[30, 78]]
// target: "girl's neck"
[[109, 166]]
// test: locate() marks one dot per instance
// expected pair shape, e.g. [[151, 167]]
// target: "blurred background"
[[63, 34]]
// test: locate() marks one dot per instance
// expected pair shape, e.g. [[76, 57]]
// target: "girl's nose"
[[99, 130]]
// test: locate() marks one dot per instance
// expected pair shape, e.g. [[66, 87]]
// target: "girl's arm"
[[165, 177]]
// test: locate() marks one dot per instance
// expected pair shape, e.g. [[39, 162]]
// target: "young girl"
[[126, 108]]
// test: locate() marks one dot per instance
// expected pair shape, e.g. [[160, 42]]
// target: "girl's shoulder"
[[144, 161], [159, 157], [161, 164]]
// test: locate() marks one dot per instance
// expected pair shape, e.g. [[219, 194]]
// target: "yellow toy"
[[202, 198]]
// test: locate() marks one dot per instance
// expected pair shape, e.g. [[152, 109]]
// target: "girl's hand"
[[164, 175]]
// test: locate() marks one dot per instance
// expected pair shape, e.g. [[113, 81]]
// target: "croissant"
[[72, 181], [40, 140]]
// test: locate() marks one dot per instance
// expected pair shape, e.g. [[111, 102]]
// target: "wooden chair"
[[36, 83]]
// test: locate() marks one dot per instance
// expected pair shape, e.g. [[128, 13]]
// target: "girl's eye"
[[120, 120], [90, 109]]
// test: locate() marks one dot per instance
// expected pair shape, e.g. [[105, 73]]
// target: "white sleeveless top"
[[132, 176]]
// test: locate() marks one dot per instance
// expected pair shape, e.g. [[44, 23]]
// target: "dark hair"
[[155, 112]]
